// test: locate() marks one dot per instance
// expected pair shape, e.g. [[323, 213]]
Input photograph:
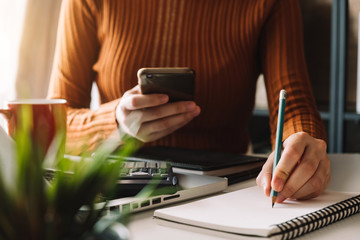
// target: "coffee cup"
[[46, 121]]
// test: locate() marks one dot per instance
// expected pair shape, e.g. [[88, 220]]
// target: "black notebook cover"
[[196, 159]]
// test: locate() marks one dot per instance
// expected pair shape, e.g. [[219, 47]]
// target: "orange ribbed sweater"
[[227, 42]]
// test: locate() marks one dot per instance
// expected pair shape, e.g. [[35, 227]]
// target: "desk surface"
[[345, 176]]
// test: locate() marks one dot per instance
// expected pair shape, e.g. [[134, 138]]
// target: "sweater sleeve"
[[284, 67], [72, 77]]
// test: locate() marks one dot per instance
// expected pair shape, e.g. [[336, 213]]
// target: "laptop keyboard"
[[135, 175]]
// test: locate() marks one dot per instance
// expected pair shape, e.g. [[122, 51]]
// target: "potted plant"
[[33, 208]]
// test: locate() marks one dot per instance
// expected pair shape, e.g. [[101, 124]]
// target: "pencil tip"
[[273, 201]]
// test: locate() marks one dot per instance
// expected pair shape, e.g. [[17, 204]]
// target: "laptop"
[[199, 173], [190, 186]]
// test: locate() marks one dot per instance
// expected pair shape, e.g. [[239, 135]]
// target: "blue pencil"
[[279, 134]]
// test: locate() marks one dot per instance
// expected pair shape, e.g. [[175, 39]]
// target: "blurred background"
[[28, 35], [317, 17]]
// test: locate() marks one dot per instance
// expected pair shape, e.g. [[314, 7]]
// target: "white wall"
[[11, 23]]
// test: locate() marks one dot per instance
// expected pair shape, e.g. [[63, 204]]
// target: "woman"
[[228, 44]]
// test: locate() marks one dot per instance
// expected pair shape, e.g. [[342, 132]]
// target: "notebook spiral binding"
[[318, 219]]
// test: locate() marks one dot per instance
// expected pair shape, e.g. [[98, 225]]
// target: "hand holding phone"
[[177, 83], [146, 114]]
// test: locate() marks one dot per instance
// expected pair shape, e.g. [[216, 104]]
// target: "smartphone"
[[177, 83]]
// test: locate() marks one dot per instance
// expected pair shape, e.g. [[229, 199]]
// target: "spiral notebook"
[[247, 213]]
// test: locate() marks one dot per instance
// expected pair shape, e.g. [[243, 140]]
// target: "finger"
[[167, 110], [169, 122], [264, 178], [302, 173], [157, 135], [317, 183], [139, 101], [290, 157]]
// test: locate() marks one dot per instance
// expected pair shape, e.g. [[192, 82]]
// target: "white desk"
[[345, 172]]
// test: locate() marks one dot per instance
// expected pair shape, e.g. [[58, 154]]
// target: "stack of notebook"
[[236, 167]]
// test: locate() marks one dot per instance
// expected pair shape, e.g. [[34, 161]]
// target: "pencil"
[[278, 141]]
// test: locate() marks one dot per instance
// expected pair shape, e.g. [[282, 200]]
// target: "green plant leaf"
[[37, 209]]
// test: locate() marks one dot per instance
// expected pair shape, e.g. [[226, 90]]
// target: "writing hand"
[[303, 170], [150, 117]]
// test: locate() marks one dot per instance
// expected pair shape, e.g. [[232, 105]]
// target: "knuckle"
[[294, 151], [322, 146], [302, 134], [282, 174], [309, 166]]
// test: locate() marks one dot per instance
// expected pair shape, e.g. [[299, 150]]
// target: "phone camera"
[[149, 75]]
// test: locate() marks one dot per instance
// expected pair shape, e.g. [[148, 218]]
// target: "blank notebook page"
[[245, 212]]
